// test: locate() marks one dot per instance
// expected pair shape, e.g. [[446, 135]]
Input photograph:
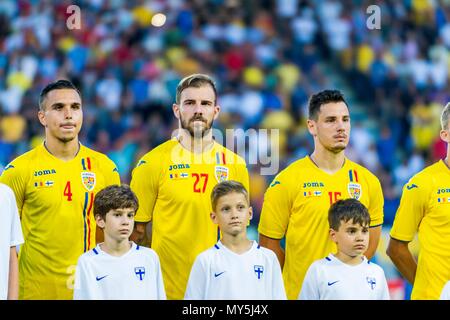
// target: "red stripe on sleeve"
[[91, 201]]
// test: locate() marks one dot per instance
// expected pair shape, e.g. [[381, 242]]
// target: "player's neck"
[[352, 261], [64, 151], [114, 247], [238, 244], [196, 145], [328, 161]]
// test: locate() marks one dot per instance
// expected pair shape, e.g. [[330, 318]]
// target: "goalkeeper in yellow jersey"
[[55, 184], [297, 201], [425, 209], [173, 183]]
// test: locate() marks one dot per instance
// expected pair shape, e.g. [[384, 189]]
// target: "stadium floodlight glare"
[[158, 20]]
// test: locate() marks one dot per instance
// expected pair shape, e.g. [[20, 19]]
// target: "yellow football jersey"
[[425, 207], [55, 201], [174, 188], [296, 206]]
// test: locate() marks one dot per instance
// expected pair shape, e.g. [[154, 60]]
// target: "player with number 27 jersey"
[[174, 186], [55, 200]]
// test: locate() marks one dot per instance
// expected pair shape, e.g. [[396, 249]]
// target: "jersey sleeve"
[[16, 177], [445, 294], [161, 294], [111, 173], [145, 184], [276, 208], [279, 292], [310, 287], [16, 228], [242, 175], [196, 286], [376, 205], [384, 292], [413, 205], [81, 287]]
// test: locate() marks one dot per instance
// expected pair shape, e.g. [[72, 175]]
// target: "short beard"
[[66, 140], [336, 150], [196, 134]]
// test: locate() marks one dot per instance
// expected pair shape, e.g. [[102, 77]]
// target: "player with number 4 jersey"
[[55, 191]]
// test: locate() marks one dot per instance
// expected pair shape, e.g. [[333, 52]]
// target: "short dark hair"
[[114, 197], [60, 84], [346, 210], [196, 80], [226, 187], [321, 98]]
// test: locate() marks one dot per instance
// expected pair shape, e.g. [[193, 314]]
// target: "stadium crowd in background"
[[268, 57]]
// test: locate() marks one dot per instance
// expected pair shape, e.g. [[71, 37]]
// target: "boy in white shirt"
[[346, 275], [445, 294], [236, 267], [118, 268], [10, 237]]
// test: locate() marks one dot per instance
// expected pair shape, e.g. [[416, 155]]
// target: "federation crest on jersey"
[[259, 270], [372, 282], [221, 173], [354, 190], [139, 272], [88, 180]]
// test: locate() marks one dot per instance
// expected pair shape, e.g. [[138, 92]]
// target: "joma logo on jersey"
[[44, 172], [178, 166], [441, 191], [313, 184]]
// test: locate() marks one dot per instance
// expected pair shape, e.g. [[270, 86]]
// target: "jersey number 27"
[[201, 180]]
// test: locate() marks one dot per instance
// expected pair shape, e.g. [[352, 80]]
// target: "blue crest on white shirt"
[[258, 270], [139, 272], [372, 282]]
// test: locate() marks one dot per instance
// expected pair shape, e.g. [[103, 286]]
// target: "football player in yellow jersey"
[[173, 183], [425, 209], [54, 185], [297, 201]]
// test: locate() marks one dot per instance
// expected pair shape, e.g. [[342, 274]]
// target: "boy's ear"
[[213, 217], [250, 215], [333, 235], [99, 220]]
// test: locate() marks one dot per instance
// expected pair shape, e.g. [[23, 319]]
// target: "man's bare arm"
[[374, 239], [140, 234], [400, 255], [274, 245]]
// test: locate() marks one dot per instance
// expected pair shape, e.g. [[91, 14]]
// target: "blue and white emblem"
[[139, 272], [372, 282], [259, 270]]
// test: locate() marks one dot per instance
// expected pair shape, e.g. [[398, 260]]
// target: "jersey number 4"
[[68, 191], [199, 179]]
